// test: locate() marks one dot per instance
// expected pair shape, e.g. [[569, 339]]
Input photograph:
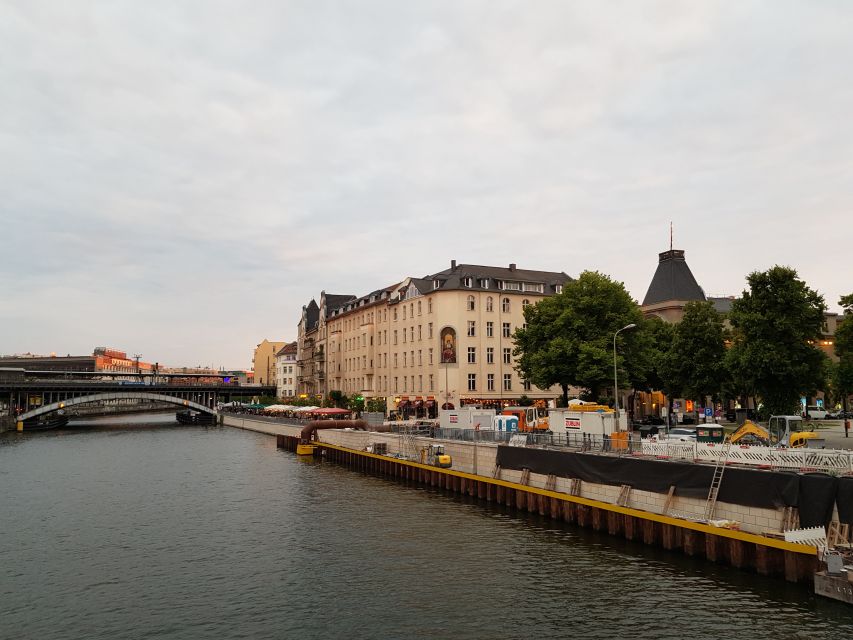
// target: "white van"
[[815, 413]]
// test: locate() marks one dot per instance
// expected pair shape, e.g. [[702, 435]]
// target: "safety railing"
[[800, 459]]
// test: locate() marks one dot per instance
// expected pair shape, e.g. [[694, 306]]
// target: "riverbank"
[[750, 537]]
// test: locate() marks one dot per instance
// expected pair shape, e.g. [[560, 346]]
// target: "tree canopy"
[[843, 371], [568, 339], [776, 323], [694, 364]]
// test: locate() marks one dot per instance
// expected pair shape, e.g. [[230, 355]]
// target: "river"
[[134, 527]]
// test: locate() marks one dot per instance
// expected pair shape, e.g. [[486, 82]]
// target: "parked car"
[[731, 416], [682, 435], [815, 413], [841, 414]]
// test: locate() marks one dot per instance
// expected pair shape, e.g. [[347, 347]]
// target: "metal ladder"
[[716, 481]]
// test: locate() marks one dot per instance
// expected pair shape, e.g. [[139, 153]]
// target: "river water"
[[139, 528]]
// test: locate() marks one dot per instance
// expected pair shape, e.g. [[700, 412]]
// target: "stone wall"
[[7, 423]]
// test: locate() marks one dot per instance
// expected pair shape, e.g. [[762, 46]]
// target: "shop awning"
[[330, 412]]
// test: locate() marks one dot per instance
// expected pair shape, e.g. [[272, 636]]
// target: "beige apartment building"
[[263, 361], [426, 342]]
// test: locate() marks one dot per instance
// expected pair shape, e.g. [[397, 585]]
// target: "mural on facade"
[[448, 346]]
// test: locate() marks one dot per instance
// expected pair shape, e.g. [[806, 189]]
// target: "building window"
[[484, 283], [525, 302], [506, 330], [507, 355], [412, 360], [430, 382], [527, 385], [429, 305], [396, 385], [420, 383], [436, 284], [395, 315], [472, 328], [490, 329], [505, 305], [411, 334], [469, 282], [490, 382], [559, 288], [472, 382], [395, 336], [507, 382], [420, 333], [430, 356], [429, 330], [420, 358], [490, 355], [490, 304], [395, 361], [404, 336], [405, 380], [404, 359], [404, 312], [472, 355], [470, 304], [419, 307]]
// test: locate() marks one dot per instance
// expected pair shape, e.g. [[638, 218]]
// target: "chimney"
[[512, 266], [453, 264]]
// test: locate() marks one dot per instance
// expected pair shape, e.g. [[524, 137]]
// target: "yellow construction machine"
[[434, 456], [782, 431]]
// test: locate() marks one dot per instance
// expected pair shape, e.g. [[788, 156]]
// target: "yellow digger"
[[782, 431], [434, 456]]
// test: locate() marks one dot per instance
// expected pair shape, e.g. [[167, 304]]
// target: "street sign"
[[708, 412]]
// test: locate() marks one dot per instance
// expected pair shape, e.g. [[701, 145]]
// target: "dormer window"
[[436, 284], [483, 283], [559, 288], [469, 282]]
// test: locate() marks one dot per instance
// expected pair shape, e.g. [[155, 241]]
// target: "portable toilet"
[[506, 423]]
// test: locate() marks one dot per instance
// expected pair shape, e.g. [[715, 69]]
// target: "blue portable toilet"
[[506, 423]]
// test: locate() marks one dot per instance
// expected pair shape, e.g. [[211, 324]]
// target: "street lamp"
[[615, 375]]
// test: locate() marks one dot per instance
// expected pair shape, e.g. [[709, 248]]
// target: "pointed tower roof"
[[673, 280]]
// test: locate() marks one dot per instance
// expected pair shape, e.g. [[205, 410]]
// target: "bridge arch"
[[118, 395]]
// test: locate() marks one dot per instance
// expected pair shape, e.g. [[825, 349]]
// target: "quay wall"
[[7, 423], [480, 460]]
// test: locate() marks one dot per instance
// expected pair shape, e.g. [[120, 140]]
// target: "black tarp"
[[844, 500], [817, 499], [752, 488]]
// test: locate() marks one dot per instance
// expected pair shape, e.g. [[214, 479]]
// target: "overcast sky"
[[178, 178]]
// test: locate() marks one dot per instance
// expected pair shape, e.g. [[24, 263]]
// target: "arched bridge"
[[103, 397], [32, 399]]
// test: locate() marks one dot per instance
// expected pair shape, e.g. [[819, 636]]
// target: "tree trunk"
[[565, 389]]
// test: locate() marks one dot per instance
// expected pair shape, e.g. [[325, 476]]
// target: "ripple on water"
[[192, 532]]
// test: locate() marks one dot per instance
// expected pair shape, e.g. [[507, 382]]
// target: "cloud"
[[179, 179]]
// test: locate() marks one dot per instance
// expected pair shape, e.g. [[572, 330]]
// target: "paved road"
[[833, 432]]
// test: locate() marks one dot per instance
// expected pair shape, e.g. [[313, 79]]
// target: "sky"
[[177, 179]]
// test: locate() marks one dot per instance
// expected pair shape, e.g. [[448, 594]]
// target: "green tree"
[[655, 339], [776, 323], [338, 400], [356, 402], [694, 363], [843, 371], [568, 340], [376, 405]]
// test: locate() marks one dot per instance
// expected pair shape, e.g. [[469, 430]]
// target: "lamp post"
[[615, 374]]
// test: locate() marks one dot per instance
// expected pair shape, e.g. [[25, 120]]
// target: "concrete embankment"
[[7, 423], [653, 518]]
